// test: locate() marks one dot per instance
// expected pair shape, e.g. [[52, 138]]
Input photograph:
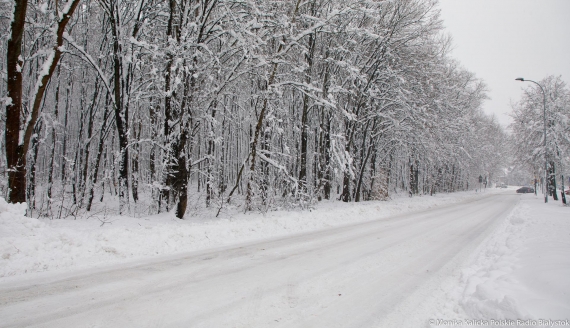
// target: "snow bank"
[[490, 286], [520, 272], [35, 245]]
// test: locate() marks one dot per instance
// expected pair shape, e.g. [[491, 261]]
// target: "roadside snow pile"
[[30, 245], [521, 272], [35, 245], [490, 285]]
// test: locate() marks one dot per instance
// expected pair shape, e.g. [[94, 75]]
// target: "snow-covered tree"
[[260, 104], [529, 123]]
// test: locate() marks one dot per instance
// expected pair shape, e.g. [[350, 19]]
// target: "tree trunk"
[[18, 142], [327, 157], [32, 173], [345, 196], [152, 155], [54, 144], [97, 163], [182, 176], [209, 163], [121, 116], [258, 126], [552, 180], [135, 160], [304, 142], [15, 156], [91, 118], [364, 159]]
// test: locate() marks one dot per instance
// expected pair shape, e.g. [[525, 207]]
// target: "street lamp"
[[545, 149]]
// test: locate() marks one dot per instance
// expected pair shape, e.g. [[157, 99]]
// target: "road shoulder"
[[519, 274]]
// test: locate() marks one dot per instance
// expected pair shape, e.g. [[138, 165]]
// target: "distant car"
[[503, 185], [525, 190], [567, 192]]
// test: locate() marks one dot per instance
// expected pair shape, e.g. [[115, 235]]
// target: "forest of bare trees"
[[146, 106]]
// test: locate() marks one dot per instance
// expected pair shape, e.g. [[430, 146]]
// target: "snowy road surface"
[[381, 273]]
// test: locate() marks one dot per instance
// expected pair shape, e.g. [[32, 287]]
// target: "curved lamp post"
[[545, 149]]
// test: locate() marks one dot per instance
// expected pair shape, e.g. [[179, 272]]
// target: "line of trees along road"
[[528, 131], [259, 104]]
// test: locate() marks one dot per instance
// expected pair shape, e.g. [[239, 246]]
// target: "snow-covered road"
[[372, 274]]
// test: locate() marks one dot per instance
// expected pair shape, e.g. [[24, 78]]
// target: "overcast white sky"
[[500, 40]]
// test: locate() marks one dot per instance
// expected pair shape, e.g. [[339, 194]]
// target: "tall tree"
[[18, 133]]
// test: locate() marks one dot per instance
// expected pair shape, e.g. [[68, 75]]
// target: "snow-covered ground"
[[30, 245], [518, 272]]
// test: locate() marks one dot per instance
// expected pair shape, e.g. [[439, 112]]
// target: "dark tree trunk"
[[305, 114], [265, 168], [17, 149], [32, 173], [210, 155], [182, 177], [327, 157], [135, 161], [372, 173], [324, 156], [97, 163], [15, 155], [304, 142], [414, 177], [121, 110], [54, 144], [364, 161], [258, 126], [364, 156], [63, 165], [152, 155], [552, 180], [345, 196], [171, 141], [222, 178], [75, 180], [91, 118]]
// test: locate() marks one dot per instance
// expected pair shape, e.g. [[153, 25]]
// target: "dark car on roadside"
[[525, 190]]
